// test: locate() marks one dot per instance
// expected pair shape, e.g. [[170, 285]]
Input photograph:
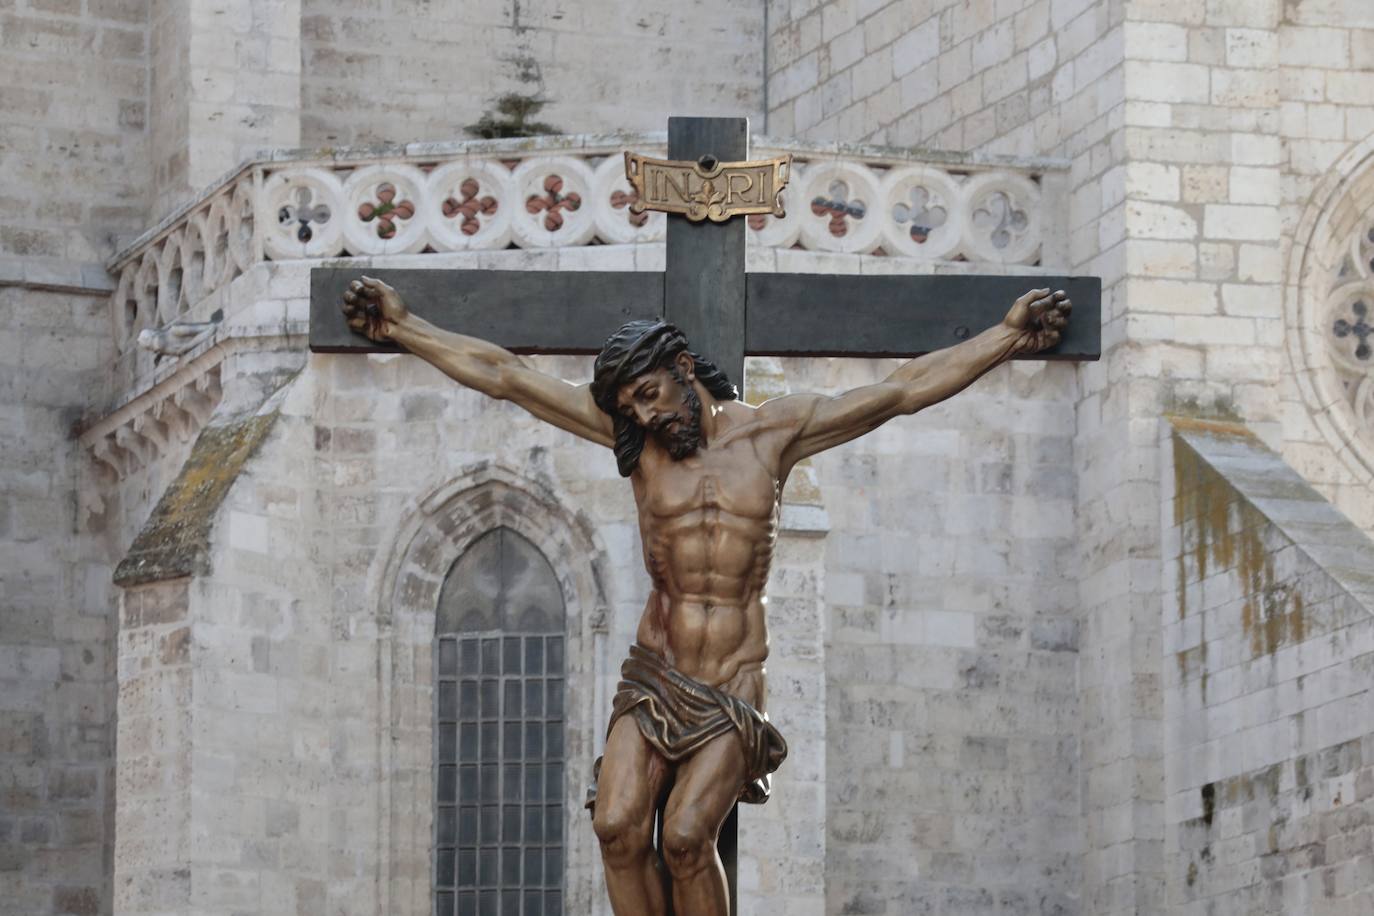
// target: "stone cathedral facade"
[[286, 633]]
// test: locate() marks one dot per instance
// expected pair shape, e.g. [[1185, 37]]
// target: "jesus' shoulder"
[[798, 426]]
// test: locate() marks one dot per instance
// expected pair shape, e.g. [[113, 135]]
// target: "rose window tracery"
[[1348, 324], [1360, 329]]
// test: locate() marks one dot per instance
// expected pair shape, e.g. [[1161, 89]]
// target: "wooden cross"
[[725, 313]]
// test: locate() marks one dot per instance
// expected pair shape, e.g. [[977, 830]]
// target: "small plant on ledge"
[[513, 112]]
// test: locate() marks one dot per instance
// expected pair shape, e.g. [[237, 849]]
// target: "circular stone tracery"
[[1330, 310], [1347, 324]]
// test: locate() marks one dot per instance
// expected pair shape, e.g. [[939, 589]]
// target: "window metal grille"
[[500, 754]]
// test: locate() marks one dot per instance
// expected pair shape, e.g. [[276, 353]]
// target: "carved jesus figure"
[[687, 729]]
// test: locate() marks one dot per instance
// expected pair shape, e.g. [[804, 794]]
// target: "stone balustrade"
[[557, 192]]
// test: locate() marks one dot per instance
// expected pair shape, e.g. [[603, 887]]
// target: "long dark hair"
[[642, 346]]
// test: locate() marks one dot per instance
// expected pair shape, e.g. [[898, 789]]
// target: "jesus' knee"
[[625, 839], [689, 845]]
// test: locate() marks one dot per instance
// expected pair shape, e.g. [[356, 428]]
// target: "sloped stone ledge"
[[175, 543], [1275, 491]]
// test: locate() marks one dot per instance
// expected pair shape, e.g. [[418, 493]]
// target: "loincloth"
[[678, 715]]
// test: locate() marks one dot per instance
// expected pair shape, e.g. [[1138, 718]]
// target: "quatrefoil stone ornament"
[[554, 206], [386, 210], [304, 210], [839, 198], [923, 212], [923, 215], [1003, 218], [470, 204]]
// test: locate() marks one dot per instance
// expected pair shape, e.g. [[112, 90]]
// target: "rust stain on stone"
[[175, 540]]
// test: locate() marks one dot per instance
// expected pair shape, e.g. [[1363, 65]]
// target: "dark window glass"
[[467, 826], [491, 656], [448, 785], [534, 825], [444, 874], [448, 827], [498, 719]]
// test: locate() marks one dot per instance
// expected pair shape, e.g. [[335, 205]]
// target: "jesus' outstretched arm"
[[820, 422], [376, 311]]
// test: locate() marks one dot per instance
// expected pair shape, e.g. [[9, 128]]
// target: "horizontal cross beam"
[[892, 315], [522, 310], [786, 314]]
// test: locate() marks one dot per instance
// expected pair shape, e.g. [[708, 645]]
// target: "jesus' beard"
[[686, 438]]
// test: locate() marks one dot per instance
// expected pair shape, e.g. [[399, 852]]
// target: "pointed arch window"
[[499, 727]]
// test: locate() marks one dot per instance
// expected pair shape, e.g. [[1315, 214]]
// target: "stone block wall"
[[407, 70], [153, 847], [952, 711], [1269, 639], [168, 25], [57, 730], [1325, 61], [225, 82], [946, 75], [74, 107]]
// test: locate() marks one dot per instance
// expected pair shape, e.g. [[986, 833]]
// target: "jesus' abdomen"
[[709, 557]]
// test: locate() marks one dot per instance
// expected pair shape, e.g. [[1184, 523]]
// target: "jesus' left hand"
[[1038, 317]]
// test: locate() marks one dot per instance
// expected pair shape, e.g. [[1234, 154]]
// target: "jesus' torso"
[[708, 523]]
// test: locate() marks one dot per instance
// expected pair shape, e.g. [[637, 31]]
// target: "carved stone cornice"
[[140, 431]]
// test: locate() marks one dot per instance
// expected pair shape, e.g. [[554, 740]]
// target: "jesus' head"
[[644, 379]]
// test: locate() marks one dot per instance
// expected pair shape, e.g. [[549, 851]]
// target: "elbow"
[[499, 384], [914, 402]]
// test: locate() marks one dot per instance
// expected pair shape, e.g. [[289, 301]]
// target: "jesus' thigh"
[[629, 786], [707, 786]]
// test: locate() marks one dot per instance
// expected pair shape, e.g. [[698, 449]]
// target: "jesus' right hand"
[[373, 309]]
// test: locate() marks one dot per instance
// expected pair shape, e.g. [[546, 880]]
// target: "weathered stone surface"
[[176, 541], [1266, 702]]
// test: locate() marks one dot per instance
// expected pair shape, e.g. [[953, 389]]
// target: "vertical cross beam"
[[704, 282], [703, 294]]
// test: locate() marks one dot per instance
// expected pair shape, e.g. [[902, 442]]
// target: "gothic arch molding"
[[436, 530]]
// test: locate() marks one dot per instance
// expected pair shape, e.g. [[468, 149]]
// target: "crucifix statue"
[[688, 737]]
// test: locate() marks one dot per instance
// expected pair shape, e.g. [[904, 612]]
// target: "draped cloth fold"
[[677, 715]]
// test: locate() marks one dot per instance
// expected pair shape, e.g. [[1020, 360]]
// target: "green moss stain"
[[1221, 531], [175, 540]]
